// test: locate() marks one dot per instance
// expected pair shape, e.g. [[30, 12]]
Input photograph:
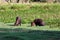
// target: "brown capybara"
[[18, 21], [32, 24], [38, 22]]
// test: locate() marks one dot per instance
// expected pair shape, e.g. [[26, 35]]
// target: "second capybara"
[[38, 22], [18, 21]]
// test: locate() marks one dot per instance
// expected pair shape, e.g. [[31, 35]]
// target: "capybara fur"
[[38, 22], [18, 21]]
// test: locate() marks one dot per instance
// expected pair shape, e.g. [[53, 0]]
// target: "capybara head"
[[32, 24]]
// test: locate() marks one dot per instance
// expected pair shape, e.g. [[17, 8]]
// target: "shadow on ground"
[[26, 34]]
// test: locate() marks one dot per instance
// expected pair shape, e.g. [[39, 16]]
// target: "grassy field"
[[50, 13], [26, 32]]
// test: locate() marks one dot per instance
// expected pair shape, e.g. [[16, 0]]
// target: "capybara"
[[38, 22], [18, 21]]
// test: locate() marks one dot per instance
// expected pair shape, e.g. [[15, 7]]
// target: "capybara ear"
[[39, 22], [32, 24], [18, 21]]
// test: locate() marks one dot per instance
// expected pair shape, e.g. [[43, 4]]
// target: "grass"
[[28, 26], [26, 32], [50, 13]]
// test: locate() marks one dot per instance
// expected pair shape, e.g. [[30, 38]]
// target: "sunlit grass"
[[29, 27], [26, 32], [50, 13]]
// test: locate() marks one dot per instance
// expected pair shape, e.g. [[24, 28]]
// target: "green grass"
[[50, 13], [28, 26], [26, 32]]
